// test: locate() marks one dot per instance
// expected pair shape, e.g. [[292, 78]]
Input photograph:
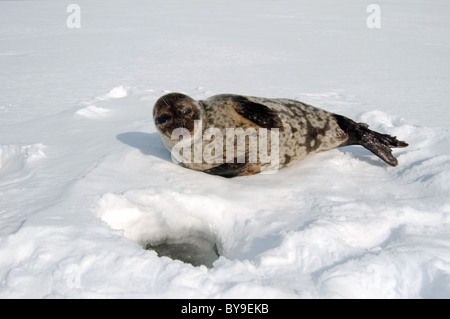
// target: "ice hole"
[[193, 249]]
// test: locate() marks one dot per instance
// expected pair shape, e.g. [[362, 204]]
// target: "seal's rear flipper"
[[377, 143]]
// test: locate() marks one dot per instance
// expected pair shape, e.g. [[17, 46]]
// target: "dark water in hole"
[[194, 250]]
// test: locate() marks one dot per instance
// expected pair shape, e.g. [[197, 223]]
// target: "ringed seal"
[[290, 129]]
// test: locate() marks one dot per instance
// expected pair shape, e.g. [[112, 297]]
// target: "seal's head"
[[175, 110]]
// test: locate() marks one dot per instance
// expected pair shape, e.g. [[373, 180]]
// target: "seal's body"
[[300, 129]]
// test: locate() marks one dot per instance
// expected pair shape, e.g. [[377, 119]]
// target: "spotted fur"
[[304, 129]]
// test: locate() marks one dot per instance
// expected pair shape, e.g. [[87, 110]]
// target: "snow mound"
[[92, 112], [152, 215], [15, 158], [117, 92]]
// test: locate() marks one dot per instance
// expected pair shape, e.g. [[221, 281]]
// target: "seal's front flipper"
[[377, 143], [230, 170]]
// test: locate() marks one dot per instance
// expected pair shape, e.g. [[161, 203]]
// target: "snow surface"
[[86, 184]]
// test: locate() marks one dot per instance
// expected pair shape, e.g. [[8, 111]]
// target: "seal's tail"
[[377, 143]]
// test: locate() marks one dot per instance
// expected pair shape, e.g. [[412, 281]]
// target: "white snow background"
[[86, 184]]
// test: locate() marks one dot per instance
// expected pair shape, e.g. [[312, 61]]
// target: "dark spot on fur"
[[314, 136], [257, 113], [287, 159]]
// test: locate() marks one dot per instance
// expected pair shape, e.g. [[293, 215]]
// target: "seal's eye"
[[163, 119], [187, 111]]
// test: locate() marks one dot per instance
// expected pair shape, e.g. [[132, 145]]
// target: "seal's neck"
[[201, 105]]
